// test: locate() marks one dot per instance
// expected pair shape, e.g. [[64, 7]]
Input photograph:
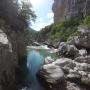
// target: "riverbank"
[[72, 70]]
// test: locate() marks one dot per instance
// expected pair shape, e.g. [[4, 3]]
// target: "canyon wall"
[[59, 8], [66, 9], [12, 50]]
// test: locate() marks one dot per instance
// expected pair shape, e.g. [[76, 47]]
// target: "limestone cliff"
[[66, 9], [58, 8]]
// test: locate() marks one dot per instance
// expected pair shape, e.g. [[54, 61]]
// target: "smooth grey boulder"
[[54, 72]]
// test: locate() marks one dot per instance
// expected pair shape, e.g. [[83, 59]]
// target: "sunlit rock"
[[53, 76], [3, 38]]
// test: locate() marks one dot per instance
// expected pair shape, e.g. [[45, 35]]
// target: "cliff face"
[[11, 51], [66, 9], [78, 8], [58, 8]]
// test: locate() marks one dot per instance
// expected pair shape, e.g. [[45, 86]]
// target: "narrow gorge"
[[55, 58]]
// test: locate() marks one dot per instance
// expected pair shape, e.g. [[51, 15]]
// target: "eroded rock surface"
[[72, 69], [67, 50], [9, 59], [83, 40]]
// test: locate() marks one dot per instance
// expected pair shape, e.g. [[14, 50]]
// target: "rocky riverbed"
[[72, 70]]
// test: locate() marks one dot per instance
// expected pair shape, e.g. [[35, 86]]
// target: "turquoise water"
[[35, 59]]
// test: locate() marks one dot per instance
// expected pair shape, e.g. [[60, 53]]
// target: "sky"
[[43, 11]]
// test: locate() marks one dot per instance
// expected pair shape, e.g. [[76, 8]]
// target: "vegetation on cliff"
[[59, 31], [62, 31], [86, 22]]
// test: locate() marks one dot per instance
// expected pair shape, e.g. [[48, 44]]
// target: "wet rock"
[[74, 63]]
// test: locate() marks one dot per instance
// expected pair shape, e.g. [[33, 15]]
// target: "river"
[[35, 59]]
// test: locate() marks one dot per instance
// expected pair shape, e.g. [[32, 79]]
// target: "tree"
[[26, 14], [16, 16]]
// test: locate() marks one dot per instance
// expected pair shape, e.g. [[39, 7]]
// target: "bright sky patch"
[[43, 10]]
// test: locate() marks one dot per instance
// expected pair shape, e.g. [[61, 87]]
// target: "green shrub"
[[60, 31], [86, 22]]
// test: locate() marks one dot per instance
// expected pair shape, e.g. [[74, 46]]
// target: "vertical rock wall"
[[12, 49], [66, 9], [59, 8]]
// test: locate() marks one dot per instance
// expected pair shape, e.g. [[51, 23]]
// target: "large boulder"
[[53, 73], [67, 50], [83, 40], [53, 76], [77, 71]]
